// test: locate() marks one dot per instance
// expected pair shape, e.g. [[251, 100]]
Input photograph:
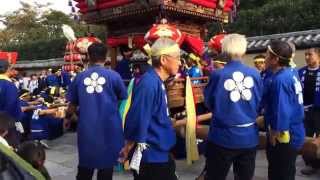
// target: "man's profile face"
[[261, 66], [171, 64]]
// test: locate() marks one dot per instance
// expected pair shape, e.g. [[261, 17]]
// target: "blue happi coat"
[[148, 119], [97, 91], [9, 100], [233, 95], [53, 80], [284, 105], [302, 73]]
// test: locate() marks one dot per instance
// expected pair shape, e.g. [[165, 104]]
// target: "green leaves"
[[36, 33], [261, 17]]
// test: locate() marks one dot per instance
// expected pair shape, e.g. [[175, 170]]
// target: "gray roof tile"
[[302, 39]]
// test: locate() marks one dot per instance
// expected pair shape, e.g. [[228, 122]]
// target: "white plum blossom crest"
[[94, 83], [239, 87]]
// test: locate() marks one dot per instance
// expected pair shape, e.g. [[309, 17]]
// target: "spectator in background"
[[35, 155], [53, 79], [220, 61], [124, 66], [33, 84], [65, 79], [259, 62], [42, 80], [310, 78], [25, 80], [194, 70]]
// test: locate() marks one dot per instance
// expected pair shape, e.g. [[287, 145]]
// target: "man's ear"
[[162, 60]]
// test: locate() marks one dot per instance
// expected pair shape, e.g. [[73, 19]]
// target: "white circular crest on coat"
[[229, 85], [94, 76], [246, 95], [99, 89], [235, 96], [87, 81], [248, 82], [90, 89], [94, 83], [101, 80], [238, 76], [240, 87]]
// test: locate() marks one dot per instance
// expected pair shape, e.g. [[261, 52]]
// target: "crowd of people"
[[43, 106]]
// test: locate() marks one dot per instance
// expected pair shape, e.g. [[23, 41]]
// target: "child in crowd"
[[34, 154]]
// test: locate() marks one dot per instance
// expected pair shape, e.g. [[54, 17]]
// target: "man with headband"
[[283, 106], [9, 102], [259, 62], [310, 79], [148, 125]]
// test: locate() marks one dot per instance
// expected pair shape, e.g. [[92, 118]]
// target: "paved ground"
[[62, 160]]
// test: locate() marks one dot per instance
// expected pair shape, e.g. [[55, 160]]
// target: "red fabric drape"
[[9, 56], [195, 44], [228, 6], [138, 41], [216, 41]]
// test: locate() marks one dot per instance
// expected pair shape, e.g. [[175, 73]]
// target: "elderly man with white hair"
[[148, 125], [233, 95]]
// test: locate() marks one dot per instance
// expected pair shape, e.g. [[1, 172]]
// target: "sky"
[[11, 5]]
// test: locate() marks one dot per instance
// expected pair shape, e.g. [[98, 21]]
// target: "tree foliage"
[[36, 33], [261, 17]]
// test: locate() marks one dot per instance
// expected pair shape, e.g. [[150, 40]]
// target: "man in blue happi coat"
[[233, 95], [97, 92], [284, 114], [310, 79], [148, 125], [10, 103], [124, 66]]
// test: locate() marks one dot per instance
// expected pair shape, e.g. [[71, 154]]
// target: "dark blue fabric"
[[302, 72], [65, 79], [283, 111], [9, 100], [123, 68], [53, 80], [227, 113], [100, 133], [195, 72], [148, 119]]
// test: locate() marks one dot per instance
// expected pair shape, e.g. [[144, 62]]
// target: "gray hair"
[[234, 45], [158, 46]]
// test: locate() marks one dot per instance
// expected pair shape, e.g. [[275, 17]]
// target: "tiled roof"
[[39, 63], [302, 39]]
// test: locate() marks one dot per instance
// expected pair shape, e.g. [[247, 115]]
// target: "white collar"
[[313, 69]]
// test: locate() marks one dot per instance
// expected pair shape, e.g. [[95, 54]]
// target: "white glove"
[[137, 156], [19, 127]]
